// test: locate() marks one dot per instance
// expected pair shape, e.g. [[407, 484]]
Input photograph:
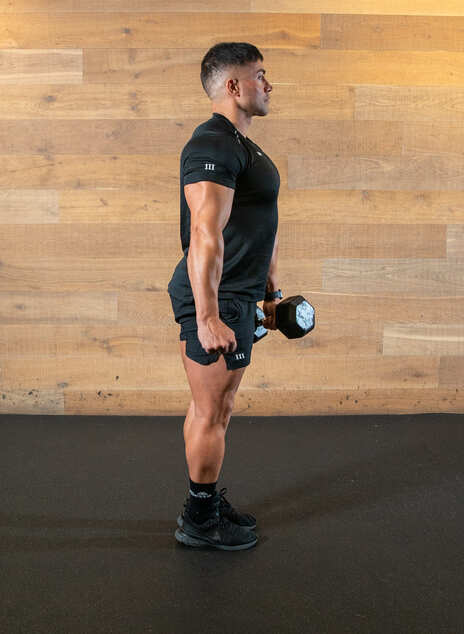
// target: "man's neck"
[[242, 125]]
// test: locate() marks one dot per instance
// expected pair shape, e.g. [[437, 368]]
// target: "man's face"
[[254, 89]]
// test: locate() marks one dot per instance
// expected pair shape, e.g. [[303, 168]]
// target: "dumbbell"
[[295, 317]]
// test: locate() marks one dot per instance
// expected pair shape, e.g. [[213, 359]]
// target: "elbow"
[[203, 234]]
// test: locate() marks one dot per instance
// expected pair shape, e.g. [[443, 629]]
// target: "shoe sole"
[[180, 523], [183, 538]]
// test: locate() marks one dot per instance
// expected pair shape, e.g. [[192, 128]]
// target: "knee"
[[228, 407], [218, 413]]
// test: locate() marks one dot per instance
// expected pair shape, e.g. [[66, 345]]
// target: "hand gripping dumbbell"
[[295, 317]]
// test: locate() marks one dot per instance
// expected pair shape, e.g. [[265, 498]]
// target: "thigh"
[[212, 385]]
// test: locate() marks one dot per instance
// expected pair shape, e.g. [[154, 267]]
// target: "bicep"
[[210, 206]]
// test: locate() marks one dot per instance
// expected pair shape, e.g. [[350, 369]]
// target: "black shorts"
[[236, 313]]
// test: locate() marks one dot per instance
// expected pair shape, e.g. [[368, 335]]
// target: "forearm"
[[272, 283], [204, 264]]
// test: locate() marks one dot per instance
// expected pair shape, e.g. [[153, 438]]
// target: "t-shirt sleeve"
[[217, 158]]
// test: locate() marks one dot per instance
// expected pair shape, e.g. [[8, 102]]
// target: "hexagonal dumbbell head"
[[295, 316]]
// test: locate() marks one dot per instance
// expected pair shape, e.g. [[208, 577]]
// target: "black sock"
[[200, 503]]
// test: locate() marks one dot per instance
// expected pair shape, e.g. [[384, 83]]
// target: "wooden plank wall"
[[366, 126]]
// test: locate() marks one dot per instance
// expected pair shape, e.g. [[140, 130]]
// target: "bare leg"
[[188, 420], [213, 390]]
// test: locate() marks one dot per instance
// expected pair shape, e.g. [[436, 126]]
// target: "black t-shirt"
[[218, 152]]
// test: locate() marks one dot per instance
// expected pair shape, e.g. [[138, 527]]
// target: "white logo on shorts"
[[240, 355]]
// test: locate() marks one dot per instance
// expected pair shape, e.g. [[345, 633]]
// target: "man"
[[228, 190]]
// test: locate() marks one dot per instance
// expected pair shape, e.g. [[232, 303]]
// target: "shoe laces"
[[218, 518], [222, 493]]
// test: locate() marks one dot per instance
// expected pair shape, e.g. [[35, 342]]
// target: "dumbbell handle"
[[261, 321]]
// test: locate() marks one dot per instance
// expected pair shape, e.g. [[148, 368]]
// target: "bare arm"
[[210, 205]]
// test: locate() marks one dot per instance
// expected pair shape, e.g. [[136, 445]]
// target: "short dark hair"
[[222, 55]]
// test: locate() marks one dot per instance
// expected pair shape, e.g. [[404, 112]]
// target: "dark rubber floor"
[[360, 526]]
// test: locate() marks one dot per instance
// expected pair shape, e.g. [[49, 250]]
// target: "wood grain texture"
[[435, 138], [366, 129], [78, 274], [437, 340], [378, 207], [37, 66], [263, 402], [96, 172], [87, 6], [455, 241], [29, 206], [426, 278], [35, 307], [392, 32], [389, 7], [400, 7], [31, 402], [102, 136], [157, 30], [451, 372], [442, 104], [424, 172]]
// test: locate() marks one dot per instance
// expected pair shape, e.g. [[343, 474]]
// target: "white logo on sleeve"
[[240, 355], [259, 153], [209, 166]]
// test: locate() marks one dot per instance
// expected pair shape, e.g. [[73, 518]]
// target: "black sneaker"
[[225, 508], [217, 531]]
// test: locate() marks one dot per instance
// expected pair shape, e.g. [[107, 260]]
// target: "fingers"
[[269, 322], [232, 347], [217, 338], [223, 347]]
